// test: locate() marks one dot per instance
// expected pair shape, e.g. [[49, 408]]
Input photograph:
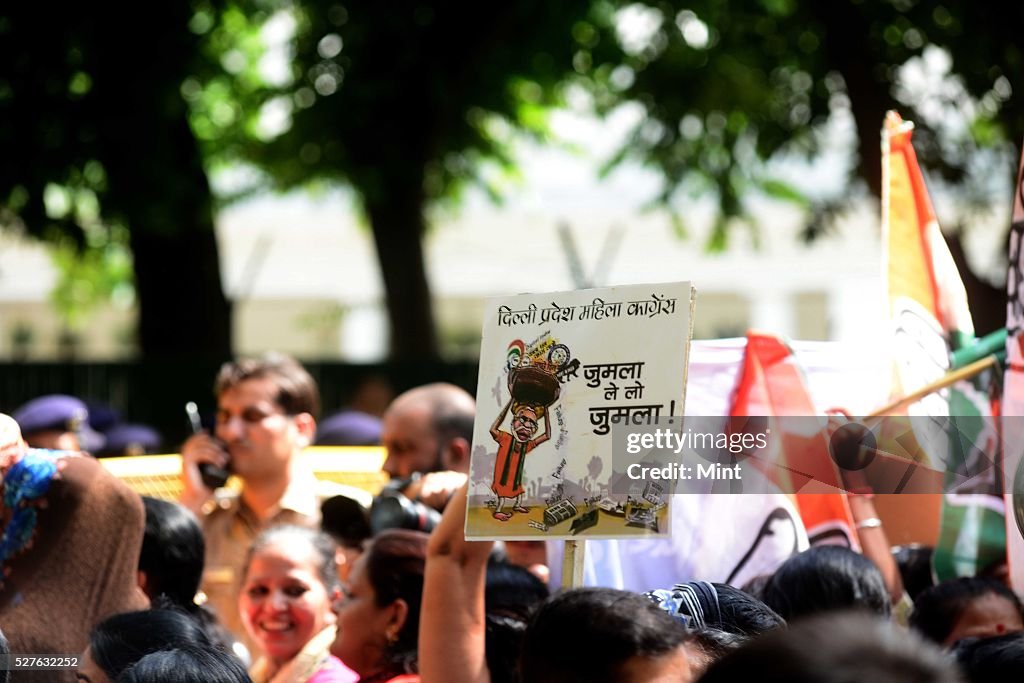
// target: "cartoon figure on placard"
[[512, 449], [534, 388]]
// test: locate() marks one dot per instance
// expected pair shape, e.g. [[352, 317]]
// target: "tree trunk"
[[398, 229], [158, 187], [846, 30], [183, 311], [182, 308]]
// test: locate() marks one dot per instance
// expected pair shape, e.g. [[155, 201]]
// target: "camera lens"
[[392, 510]]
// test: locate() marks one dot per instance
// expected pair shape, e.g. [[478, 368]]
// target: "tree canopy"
[[408, 103], [727, 85], [100, 155], [404, 103]]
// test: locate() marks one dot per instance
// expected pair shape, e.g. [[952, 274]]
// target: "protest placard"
[[557, 372]]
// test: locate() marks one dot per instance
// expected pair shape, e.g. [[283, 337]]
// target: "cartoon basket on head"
[[534, 385]]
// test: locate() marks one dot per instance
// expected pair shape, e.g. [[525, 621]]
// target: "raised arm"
[[547, 429], [501, 416], [874, 543], [453, 618]]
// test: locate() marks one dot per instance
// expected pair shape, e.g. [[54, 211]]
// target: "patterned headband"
[[695, 604]]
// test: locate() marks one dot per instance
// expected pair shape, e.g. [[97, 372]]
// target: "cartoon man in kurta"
[[512, 450]]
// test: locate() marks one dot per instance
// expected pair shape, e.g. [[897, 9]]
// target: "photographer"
[[428, 432]]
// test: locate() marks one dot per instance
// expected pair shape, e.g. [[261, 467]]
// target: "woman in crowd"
[[836, 648], [511, 594], [825, 579], [171, 566], [992, 658], [72, 533], [378, 620], [186, 665], [703, 605], [720, 617], [120, 641], [604, 635], [964, 607], [290, 584]]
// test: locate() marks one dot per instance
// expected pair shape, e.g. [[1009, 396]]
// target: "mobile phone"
[[213, 477]]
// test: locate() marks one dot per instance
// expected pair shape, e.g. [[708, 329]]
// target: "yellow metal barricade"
[[159, 476]]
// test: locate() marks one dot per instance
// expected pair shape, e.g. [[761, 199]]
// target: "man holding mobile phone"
[[266, 417]]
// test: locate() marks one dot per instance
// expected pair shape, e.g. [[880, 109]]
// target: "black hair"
[[826, 578], [745, 615], [172, 552], [321, 544], [915, 564], [755, 586], [937, 609], [395, 563], [720, 607], [708, 645], [346, 521], [996, 658], [119, 641], [587, 634], [297, 391], [835, 648], [513, 590], [511, 596], [186, 665], [172, 556]]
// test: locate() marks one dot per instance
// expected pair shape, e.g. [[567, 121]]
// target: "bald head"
[[429, 428]]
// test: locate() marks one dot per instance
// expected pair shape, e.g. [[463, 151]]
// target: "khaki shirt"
[[230, 527]]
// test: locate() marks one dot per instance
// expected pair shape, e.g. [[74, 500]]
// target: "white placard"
[[559, 371]]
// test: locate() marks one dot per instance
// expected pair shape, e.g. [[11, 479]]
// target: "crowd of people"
[[291, 579]]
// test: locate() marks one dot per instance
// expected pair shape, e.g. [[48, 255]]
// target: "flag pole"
[[966, 372], [572, 564]]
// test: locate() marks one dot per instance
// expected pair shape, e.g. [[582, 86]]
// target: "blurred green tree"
[[97, 145], [407, 103], [728, 86]]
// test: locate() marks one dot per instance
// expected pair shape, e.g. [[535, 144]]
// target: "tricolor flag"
[[771, 384], [1013, 389], [930, 317]]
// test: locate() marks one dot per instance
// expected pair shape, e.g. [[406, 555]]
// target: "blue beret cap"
[[132, 439], [349, 428], [58, 412], [102, 416]]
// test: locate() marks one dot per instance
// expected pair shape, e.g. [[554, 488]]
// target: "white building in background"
[[282, 261], [304, 278], [303, 272]]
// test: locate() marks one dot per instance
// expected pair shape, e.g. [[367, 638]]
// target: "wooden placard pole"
[[946, 380], [572, 564]]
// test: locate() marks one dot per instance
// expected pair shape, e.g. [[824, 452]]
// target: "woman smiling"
[[289, 586]]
